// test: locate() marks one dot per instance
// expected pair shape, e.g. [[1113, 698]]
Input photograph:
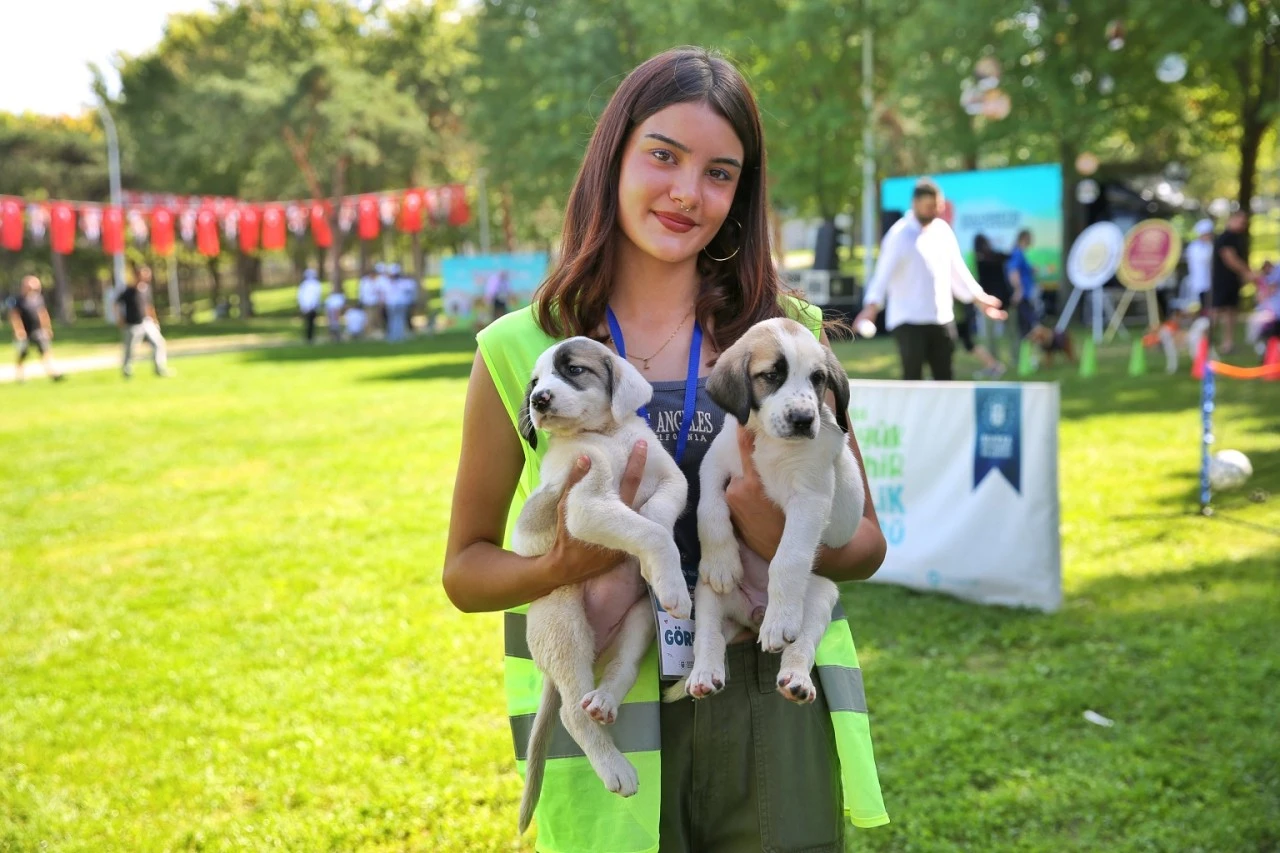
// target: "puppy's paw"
[[721, 567], [600, 706], [780, 627], [676, 600], [619, 776], [706, 681], [796, 686]]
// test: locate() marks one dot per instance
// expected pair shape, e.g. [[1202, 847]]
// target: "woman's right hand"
[[572, 560]]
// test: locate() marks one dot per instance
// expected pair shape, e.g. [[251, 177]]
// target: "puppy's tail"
[[677, 691], [536, 754]]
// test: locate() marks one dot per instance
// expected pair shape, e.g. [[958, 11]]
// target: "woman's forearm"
[[858, 559], [483, 578]]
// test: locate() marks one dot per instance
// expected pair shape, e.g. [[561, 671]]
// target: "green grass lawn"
[[222, 626]]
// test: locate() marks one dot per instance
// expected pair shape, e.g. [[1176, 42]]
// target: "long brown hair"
[[735, 293]]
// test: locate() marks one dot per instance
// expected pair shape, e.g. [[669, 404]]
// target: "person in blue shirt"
[[1023, 279]]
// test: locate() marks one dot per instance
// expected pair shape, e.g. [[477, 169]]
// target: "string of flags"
[[205, 221]]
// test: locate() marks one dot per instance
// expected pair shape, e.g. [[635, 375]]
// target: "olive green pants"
[[747, 770]]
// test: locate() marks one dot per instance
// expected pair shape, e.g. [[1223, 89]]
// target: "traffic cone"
[[1088, 359], [1138, 359], [1272, 359], [1202, 357], [1026, 361]]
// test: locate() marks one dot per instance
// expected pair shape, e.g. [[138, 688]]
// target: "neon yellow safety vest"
[[576, 814]]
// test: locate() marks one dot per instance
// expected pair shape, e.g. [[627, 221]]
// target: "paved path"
[[110, 358]]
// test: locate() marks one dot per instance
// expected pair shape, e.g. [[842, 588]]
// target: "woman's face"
[[680, 170]]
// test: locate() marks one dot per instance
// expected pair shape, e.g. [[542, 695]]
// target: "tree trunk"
[[215, 294], [61, 292], [1250, 142], [244, 296], [335, 250]]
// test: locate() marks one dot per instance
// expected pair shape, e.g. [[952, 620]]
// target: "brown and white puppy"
[[774, 382], [586, 397]]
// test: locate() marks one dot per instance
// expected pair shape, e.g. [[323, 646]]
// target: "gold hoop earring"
[[734, 254]]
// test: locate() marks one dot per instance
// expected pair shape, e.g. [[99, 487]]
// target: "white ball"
[[865, 328], [1228, 469]]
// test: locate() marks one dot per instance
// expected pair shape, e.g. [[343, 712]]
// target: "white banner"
[[964, 477]]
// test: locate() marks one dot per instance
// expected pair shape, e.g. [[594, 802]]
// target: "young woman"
[[665, 244]]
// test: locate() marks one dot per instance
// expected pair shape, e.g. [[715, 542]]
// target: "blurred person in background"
[[1022, 279], [920, 274], [334, 306], [1230, 271], [29, 319], [136, 317], [309, 293]]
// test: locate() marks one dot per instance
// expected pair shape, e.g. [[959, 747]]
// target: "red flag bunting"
[[367, 218], [11, 225], [207, 232], [62, 228], [162, 231], [273, 236], [248, 225], [411, 211], [320, 230], [113, 231], [459, 211]]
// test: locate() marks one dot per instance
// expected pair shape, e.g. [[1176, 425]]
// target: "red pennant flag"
[[11, 225], [273, 236], [162, 231], [207, 232], [62, 228], [249, 223], [367, 224], [113, 231], [459, 211], [411, 212], [320, 230]]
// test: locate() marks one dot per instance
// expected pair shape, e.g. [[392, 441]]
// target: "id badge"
[[675, 643]]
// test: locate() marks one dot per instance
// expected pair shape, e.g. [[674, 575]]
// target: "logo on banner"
[[998, 444]]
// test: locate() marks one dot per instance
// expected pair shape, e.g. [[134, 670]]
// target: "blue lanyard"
[[690, 380]]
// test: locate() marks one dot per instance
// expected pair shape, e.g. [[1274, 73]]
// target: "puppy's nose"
[[801, 422], [541, 400]]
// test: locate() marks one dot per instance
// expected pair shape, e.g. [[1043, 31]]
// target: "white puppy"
[[774, 381], [586, 397]]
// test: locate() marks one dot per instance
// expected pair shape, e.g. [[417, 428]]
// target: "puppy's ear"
[[838, 382], [630, 390], [730, 384], [525, 423]]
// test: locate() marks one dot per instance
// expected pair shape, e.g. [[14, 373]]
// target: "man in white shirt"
[[1199, 280], [309, 302], [399, 295], [920, 273]]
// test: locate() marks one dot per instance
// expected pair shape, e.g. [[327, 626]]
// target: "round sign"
[[1095, 255], [1151, 252], [1087, 191], [1087, 164]]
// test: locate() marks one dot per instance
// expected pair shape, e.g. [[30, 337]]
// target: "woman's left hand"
[[757, 520]]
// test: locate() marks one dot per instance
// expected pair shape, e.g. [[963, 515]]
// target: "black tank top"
[[665, 411]]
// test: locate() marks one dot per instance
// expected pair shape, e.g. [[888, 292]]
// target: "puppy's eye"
[[818, 377], [576, 370], [768, 376]]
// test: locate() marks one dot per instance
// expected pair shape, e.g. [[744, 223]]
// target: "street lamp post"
[[113, 167], [868, 152]]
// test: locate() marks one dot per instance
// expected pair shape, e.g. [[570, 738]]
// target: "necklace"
[[646, 359]]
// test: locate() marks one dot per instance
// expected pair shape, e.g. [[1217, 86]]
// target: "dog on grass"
[[586, 398], [774, 382]]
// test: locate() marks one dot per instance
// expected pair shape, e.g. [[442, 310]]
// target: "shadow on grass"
[[978, 714]]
